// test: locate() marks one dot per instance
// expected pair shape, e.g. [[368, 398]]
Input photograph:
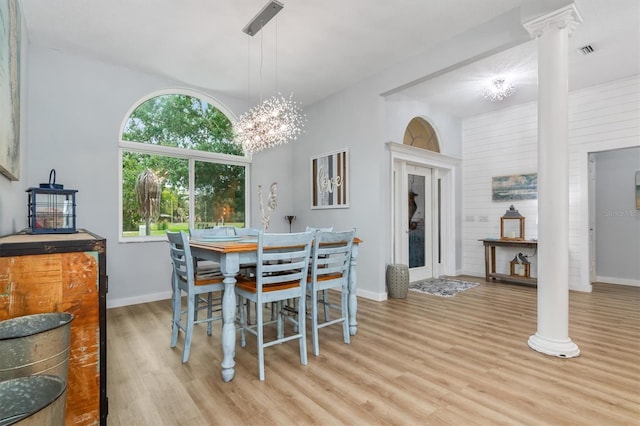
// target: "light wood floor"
[[421, 360]]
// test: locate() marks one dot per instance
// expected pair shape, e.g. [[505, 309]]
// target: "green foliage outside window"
[[186, 122]]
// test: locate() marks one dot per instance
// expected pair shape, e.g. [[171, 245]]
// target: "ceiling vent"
[[585, 50]]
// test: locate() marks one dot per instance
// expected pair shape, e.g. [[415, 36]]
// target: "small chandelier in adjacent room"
[[498, 90], [276, 120]]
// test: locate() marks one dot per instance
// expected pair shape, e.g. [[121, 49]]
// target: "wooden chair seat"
[[251, 285]]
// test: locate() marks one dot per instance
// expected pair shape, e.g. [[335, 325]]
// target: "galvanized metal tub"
[[35, 344], [33, 400]]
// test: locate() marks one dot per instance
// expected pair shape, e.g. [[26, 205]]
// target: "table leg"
[[486, 262], [353, 300], [229, 266], [493, 259]]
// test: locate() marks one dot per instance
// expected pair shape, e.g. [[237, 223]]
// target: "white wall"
[[76, 109], [504, 142], [13, 199], [617, 219], [366, 116], [76, 106], [501, 143]]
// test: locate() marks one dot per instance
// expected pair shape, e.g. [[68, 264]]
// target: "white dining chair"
[[325, 294], [313, 228], [281, 274], [186, 280], [330, 260]]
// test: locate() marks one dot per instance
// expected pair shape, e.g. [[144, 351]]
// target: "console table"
[[490, 259]]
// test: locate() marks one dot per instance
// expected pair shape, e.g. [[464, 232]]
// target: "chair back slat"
[[216, 231], [181, 256], [332, 253], [283, 258]]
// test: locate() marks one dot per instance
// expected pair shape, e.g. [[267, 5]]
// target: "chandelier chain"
[[274, 121]]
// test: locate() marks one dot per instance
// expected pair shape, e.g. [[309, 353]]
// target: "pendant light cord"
[[277, 89], [261, 60], [248, 72]]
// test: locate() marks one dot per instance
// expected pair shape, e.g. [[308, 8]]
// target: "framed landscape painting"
[[638, 190], [514, 187], [10, 89], [329, 180]]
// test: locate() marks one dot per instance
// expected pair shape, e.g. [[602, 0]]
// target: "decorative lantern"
[[512, 225], [52, 209]]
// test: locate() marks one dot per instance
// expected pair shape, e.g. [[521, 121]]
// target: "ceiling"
[[318, 47]]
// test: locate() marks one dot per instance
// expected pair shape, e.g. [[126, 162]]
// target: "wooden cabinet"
[[490, 260], [64, 273]]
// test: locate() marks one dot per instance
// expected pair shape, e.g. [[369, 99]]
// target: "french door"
[[414, 220]]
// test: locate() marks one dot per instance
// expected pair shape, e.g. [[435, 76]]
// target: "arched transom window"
[[420, 133]]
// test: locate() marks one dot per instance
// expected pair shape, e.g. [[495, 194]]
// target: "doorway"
[[437, 172]]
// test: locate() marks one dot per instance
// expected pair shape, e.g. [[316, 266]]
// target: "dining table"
[[231, 252]]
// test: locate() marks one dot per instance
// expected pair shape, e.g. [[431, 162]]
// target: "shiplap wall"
[[504, 142]]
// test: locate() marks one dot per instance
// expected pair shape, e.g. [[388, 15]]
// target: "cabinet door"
[[63, 282]]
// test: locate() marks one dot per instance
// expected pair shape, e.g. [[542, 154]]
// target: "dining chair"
[[330, 259], [185, 279], [281, 274], [247, 232], [313, 228], [325, 293], [208, 266]]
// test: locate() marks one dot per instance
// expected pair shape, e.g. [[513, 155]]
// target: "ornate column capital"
[[566, 17]]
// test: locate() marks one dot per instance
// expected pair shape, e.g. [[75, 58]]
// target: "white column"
[[552, 31]]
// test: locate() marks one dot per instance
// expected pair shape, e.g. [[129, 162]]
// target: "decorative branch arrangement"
[[271, 204]]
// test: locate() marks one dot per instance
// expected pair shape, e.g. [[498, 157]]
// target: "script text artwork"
[[326, 183]]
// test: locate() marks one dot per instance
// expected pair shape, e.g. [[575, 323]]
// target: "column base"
[[560, 348]]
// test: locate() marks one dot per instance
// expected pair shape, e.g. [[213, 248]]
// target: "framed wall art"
[[514, 187], [638, 190], [330, 180], [10, 89]]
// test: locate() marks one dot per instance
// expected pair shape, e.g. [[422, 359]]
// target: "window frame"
[[191, 155]]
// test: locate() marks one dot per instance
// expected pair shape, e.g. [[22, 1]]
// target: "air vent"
[[585, 50]]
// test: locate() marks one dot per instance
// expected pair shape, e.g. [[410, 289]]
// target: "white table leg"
[[229, 265], [353, 300]]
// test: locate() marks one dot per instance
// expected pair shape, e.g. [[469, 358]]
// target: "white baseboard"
[[145, 298], [165, 295], [620, 281], [378, 297]]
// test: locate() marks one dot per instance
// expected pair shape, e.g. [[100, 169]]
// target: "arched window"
[[420, 133], [179, 168]]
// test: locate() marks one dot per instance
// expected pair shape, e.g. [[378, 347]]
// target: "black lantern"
[[512, 225], [52, 209]]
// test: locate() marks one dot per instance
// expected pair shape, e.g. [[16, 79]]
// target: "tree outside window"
[[187, 143]]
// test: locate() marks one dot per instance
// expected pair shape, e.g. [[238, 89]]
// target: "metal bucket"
[[35, 344], [34, 400]]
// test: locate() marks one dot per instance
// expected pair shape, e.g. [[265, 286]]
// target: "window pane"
[[173, 207], [219, 194], [181, 121], [201, 131]]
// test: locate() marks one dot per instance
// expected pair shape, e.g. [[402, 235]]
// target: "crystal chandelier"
[[276, 120], [498, 90], [273, 122]]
